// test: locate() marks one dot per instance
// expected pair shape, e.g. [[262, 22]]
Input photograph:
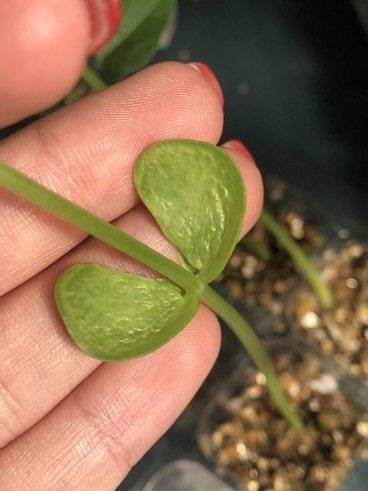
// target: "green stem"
[[311, 274], [18, 183], [251, 342], [93, 80], [256, 248]]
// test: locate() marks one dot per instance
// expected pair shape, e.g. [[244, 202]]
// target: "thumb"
[[44, 47]]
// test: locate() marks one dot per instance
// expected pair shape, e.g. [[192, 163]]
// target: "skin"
[[68, 421]]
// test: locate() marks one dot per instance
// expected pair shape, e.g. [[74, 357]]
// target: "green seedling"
[[196, 193], [301, 261]]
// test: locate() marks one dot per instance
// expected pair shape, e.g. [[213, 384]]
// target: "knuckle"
[[67, 172], [107, 436], [12, 422]]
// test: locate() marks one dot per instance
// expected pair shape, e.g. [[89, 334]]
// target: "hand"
[[68, 421]]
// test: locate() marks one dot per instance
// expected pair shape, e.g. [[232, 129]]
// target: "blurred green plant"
[[136, 40]]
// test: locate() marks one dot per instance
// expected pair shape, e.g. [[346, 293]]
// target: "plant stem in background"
[[30, 190], [256, 248], [253, 345], [94, 81], [302, 262]]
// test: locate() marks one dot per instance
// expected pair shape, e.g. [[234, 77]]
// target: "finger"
[[44, 47], [252, 179], [86, 152], [93, 438], [41, 358], [50, 365]]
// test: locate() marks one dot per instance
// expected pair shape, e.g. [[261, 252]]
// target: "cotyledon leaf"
[[115, 316], [196, 193]]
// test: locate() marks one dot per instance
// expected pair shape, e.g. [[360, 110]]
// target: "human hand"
[[68, 421]]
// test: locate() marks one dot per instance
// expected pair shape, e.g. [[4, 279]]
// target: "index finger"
[[86, 153]]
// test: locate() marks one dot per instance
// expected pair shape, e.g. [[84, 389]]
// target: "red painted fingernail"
[[208, 74], [239, 146], [105, 17]]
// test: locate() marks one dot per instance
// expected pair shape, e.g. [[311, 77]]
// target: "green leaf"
[[137, 39], [134, 13], [114, 316], [196, 193]]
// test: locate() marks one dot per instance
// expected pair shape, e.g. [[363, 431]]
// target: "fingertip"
[[241, 148], [252, 180], [105, 17], [206, 72], [188, 97], [43, 46]]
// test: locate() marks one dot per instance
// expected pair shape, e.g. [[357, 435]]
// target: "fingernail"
[[105, 18], [239, 146], [208, 74]]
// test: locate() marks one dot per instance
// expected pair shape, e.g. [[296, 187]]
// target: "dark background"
[[295, 79]]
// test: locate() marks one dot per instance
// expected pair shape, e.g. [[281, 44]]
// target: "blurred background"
[[295, 79]]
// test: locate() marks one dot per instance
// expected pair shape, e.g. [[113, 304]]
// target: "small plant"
[[301, 261], [196, 193]]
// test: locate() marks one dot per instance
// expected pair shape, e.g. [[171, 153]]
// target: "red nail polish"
[[239, 146], [105, 17], [208, 74]]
